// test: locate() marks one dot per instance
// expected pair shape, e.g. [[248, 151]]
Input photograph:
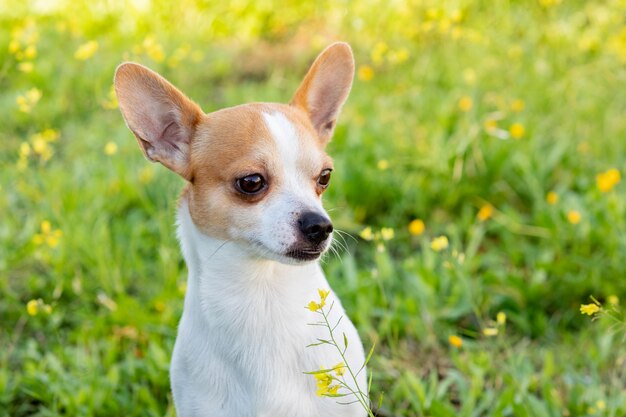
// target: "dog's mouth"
[[304, 254]]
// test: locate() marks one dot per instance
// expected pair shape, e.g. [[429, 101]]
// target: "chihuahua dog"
[[252, 229]]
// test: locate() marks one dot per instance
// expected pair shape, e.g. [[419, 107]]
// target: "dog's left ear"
[[326, 87]]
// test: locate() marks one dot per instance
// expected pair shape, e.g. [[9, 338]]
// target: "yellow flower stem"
[[360, 396]]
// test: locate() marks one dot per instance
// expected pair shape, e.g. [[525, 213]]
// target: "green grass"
[[404, 149]]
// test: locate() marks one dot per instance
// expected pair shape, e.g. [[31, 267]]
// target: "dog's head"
[[256, 172]]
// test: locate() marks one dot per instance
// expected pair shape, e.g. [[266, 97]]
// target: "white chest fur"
[[241, 346]]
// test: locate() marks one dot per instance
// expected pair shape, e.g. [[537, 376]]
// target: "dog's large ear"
[[161, 117], [326, 87]]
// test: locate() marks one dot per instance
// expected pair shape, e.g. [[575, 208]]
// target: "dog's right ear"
[[161, 117]]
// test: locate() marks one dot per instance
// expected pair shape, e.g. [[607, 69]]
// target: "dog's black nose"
[[315, 227]]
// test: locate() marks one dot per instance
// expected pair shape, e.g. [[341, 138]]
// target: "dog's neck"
[[219, 270]]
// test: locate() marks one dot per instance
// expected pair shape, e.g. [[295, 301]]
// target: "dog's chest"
[[254, 342]]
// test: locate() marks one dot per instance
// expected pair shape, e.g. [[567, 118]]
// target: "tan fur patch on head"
[[235, 142]]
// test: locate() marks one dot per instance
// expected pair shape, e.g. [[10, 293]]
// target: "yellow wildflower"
[[14, 46], [323, 294], [613, 300], [517, 130], [86, 50], [32, 307], [340, 369], [552, 198], [607, 180], [455, 341], [24, 149], [416, 227], [47, 235], [574, 217], [153, 49], [485, 212], [333, 390], [589, 309], [378, 52], [27, 101], [26, 67], [517, 105], [439, 243], [501, 318], [366, 73], [490, 125], [386, 233], [366, 234], [313, 306], [323, 381], [383, 164], [490, 331], [465, 104], [110, 148], [30, 52]]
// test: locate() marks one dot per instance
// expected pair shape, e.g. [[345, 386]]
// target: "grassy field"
[[478, 164]]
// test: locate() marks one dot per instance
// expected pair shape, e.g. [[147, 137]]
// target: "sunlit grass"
[[479, 165]]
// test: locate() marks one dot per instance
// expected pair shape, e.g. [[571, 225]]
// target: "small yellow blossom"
[[455, 341], [86, 50], [366, 234], [387, 233], [47, 235], [613, 300], [25, 149], [378, 52], [600, 405], [153, 49], [574, 216], [485, 212], [32, 307], [340, 369], [552, 198], [439, 243], [383, 164], [30, 52], [110, 148], [27, 101], [517, 105], [399, 56], [323, 295], [490, 331], [416, 227], [14, 46], [26, 67], [589, 309], [490, 125], [323, 381], [501, 318], [333, 390], [366, 73], [465, 104], [517, 130], [608, 179], [313, 306]]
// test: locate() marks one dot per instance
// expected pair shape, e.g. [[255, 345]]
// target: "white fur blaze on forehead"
[[285, 136]]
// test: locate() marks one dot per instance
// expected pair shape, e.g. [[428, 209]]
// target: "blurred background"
[[478, 178]]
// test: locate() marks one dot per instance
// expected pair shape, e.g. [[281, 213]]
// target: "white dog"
[[252, 227]]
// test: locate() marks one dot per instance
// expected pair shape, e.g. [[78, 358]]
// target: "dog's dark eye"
[[251, 184], [324, 178]]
